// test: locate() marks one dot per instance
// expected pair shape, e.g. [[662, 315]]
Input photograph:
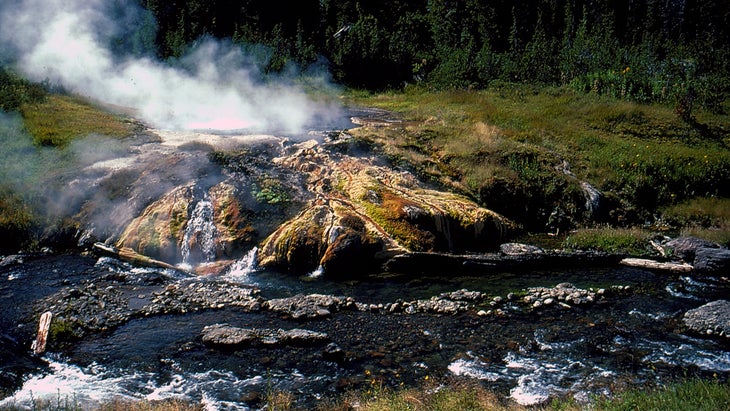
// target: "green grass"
[[695, 395], [689, 395], [60, 119], [633, 241], [501, 146]]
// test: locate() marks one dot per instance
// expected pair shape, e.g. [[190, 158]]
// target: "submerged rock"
[[710, 319]]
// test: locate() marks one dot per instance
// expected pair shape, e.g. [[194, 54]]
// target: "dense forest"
[[644, 50]]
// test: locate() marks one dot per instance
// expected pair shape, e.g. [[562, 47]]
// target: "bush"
[[16, 91]]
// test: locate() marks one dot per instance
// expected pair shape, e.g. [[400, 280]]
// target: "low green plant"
[[633, 241], [271, 191], [503, 146], [694, 394], [702, 211]]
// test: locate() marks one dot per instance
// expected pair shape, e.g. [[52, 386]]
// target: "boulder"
[[712, 260], [226, 336], [705, 256], [301, 307], [686, 247], [710, 319]]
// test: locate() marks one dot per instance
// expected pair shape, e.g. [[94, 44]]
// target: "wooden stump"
[[44, 325]]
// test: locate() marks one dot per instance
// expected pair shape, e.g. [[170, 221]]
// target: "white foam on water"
[[530, 391], [88, 387], [686, 354], [316, 273], [671, 289], [71, 384], [553, 346], [240, 271], [653, 316], [473, 369]]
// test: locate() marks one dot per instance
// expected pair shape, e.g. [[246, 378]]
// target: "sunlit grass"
[[632, 241], [692, 394], [643, 154], [60, 119], [696, 395]]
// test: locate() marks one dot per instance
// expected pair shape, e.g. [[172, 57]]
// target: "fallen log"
[[657, 265], [131, 256], [44, 325]]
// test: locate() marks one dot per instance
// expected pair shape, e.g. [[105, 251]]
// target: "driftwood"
[[131, 256], [657, 265], [44, 325]]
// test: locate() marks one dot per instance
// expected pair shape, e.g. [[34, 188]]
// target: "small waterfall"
[[593, 198], [317, 273], [245, 265], [200, 234]]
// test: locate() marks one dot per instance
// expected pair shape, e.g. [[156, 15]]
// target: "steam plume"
[[214, 87]]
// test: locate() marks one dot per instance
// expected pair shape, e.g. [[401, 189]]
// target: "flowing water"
[[200, 235], [627, 340]]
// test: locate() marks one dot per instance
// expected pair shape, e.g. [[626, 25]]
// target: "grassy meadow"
[[523, 151]]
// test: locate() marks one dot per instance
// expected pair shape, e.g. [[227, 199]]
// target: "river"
[[628, 338]]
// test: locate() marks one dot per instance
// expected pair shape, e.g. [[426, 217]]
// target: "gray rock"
[[307, 306], [519, 249], [226, 336], [686, 247], [711, 318], [712, 260]]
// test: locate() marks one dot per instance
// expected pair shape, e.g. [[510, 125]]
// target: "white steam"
[[67, 42]]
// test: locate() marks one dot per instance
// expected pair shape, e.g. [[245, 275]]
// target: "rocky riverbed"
[[530, 335]]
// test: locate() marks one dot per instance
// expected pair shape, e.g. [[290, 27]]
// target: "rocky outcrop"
[[159, 230], [705, 256], [710, 319], [186, 224], [226, 336], [366, 213], [302, 307]]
